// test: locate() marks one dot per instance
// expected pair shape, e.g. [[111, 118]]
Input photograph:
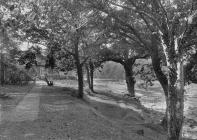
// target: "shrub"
[[17, 77]]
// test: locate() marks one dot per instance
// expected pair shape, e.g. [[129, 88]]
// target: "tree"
[[90, 67], [28, 58], [120, 49], [63, 24], [169, 25], [93, 41], [158, 26], [126, 59], [6, 46]]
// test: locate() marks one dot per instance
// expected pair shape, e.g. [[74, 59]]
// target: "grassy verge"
[[14, 95]]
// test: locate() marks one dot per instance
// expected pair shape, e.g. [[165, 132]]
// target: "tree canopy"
[[86, 32]]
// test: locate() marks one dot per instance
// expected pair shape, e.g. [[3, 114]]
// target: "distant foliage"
[[15, 76], [144, 71], [50, 61], [64, 61], [111, 70], [28, 58]]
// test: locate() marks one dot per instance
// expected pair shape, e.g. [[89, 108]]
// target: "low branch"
[[145, 56], [117, 60], [132, 29], [71, 53], [84, 61]]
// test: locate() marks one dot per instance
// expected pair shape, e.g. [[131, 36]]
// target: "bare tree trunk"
[[78, 65], [156, 62], [2, 74], [80, 80], [162, 78], [91, 76], [175, 101], [175, 97], [88, 75], [129, 77]]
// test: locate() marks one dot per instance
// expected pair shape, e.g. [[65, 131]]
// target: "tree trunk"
[[80, 80], [130, 80], [91, 76], [164, 121], [79, 66], [175, 97], [156, 62], [175, 101], [162, 78], [2, 74], [88, 75]]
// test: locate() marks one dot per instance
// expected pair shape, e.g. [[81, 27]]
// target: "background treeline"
[[111, 70]]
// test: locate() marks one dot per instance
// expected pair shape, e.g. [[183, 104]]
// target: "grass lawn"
[[62, 116], [15, 94]]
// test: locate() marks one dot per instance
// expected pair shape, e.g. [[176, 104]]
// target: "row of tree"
[[90, 32]]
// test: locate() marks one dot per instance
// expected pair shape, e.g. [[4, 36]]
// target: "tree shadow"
[[108, 94], [59, 91]]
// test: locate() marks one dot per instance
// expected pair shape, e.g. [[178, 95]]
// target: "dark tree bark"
[[80, 80], [2, 74], [91, 76], [129, 77], [156, 62], [79, 66], [88, 75], [162, 78], [159, 74]]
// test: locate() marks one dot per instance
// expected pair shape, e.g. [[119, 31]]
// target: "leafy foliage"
[[50, 61], [144, 71], [28, 58], [111, 70]]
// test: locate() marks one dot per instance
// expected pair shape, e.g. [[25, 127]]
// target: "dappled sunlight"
[[121, 104], [154, 99]]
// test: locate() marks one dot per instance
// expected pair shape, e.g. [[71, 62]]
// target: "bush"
[[17, 77]]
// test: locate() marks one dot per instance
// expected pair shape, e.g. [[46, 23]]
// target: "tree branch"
[[84, 61], [132, 29], [145, 56], [117, 60]]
